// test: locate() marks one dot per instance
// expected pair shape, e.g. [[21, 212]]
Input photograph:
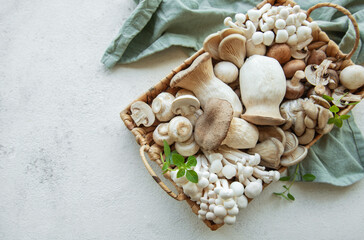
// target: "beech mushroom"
[[295, 157], [200, 79], [252, 49], [161, 106], [262, 87], [352, 77], [232, 48], [187, 148], [161, 133], [185, 105], [294, 87], [180, 129], [141, 113], [226, 71]]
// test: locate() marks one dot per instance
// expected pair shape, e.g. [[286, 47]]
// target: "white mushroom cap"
[[161, 133], [254, 15], [187, 148], [229, 219], [161, 106], [185, 105], [226, 71], [242, 201], [238, 188], [253, 189], [228, 171], [352, 77], [257, 38], [210, 216], [234, 210], [280, 24], [220, 211], [282, 36], [180, 129], [268, 38], [141, 113]]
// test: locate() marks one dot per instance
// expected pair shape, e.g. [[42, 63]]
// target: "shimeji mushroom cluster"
[[284, 67], [227, 177]]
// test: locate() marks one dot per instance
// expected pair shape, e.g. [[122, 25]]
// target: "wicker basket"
[[144, 135]]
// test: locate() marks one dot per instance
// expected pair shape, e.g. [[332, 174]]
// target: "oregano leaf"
[[308, 177], [331, 120], [286, 178], [165, 166], [277, 193], [191, 162], [167, 149], [344, 117], [339, 122], [178, 160], [192, 176], [327, 98], [334, 109], [290, 196], [181, 173]]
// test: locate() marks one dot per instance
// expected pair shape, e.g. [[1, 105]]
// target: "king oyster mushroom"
[[142, 113], [262, 86], [201, 80], [217, 126]]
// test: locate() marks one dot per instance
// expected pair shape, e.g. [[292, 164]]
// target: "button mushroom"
[[200, 79], [187, 148], [185, 105], [352, 77], [180, 129], [161, 106], [161, 133], [141, 113]]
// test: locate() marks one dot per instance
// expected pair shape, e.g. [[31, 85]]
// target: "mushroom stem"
[[296, 79]]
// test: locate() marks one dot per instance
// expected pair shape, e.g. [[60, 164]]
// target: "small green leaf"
[[286, 178], [353, 103], [331, 120], [170, 160], [290, 196], [167, 149], [192, 176], [165, 166], [334, 109], [191, 162], [344, 117], [181, 173], [277, 193], [327, 98], [308, 177], [285, 187], [178, 160], [338, 122]]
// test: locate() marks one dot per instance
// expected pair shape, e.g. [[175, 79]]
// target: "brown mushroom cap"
[[291, 67], [316, 57], [212, 126], [281, 52]]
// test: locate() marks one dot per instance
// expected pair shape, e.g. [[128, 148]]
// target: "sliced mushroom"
[[180, 129], [333, 79], [212, 126], [299, 54], [142, 113], [317, 75], [295, 157], [185, 105], [342, 97], [232, 48], [270, 152], [320, 101], [291, 143], [307, 137], [187, 148], [161, 106]]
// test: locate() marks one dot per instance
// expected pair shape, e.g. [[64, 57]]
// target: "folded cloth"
[[338, 157]]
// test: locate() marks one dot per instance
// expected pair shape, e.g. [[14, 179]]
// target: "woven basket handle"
[[179, 197], [347, 13]]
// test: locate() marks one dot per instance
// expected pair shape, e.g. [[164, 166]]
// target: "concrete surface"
[[69, 169]]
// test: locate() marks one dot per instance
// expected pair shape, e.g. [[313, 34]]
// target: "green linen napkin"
[[155, 25]]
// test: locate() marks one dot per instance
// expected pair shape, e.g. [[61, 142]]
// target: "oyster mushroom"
[[270, 151], [211, 44], [161, 106], [266, 132], [294, 87], [185, 105], [200, 79], [291, 143], [142, 113], [262, 87], [295, 157], [161, 133], [187, 148], [232, 48], [323, 117], [226, 71], [307, 137], [352, 77], [317, 75], [180, 129]]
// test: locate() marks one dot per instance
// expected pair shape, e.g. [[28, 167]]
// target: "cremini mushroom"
[[291, 67], [142, 113], [232, 48], [294, 87], [212, 126], [162, 106], [187, 148], [200, 79], [226, 71], [352, 77], [299, 54], [161, 133], [281, 52], [262, 87], [180, 129], [185, 105], [316, 57], [295, 157], [333, 79]]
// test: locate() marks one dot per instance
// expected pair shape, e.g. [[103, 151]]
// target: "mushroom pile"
[[248, 105]]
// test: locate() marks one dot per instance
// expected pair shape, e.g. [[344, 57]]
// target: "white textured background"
[[69, 169]]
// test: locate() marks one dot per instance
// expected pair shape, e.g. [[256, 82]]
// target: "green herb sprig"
[[184, 168], [337, 119], [286, 194]]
